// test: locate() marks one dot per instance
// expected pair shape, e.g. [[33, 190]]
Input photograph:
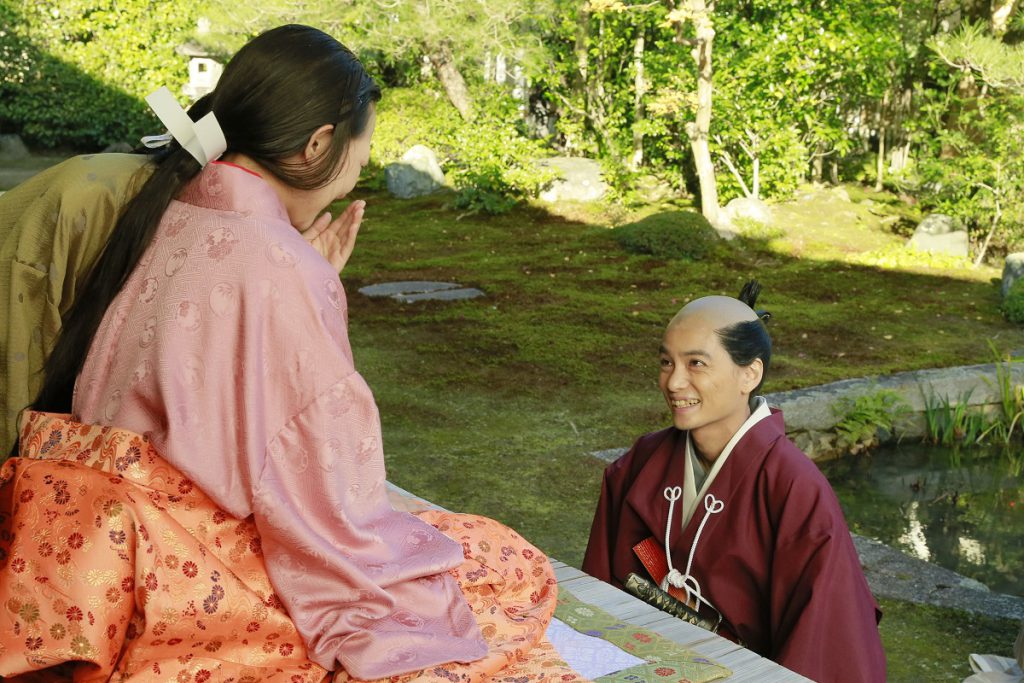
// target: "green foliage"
[[952, 422], [976, 172], [1011, 401], [973, 168], [590, 80], [793, 78], [412, 116], [996, 63], [73, 73], [900, 256], [790, 81], [393, 34], [1013, 304], [489, 161], [683, 235], [863, 417], [778, 147]]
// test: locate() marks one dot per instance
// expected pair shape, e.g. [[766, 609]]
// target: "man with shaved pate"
[[727, 514]]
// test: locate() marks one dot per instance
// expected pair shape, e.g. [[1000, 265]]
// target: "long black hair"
[[747, 341], [273, 95]]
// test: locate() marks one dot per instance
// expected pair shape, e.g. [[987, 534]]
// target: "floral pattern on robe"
[[115, 566]]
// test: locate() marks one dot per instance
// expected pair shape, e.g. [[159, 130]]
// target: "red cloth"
[[778, 561]]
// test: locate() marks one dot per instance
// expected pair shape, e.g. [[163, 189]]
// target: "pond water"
[[960, 509]]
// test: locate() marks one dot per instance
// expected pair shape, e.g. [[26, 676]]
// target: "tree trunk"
[[582, 46], [1002, 10], [451, 80], [880, 163], [899, 143], [591, 86], [639, 88], [980, 258], [818, 163], [701, 126]]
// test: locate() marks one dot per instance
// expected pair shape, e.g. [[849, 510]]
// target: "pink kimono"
[[227, 352]]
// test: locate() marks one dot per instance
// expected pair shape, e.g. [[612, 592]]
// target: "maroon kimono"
[[777, 561]]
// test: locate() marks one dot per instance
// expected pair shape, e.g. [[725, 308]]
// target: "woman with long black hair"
[[215, 506]]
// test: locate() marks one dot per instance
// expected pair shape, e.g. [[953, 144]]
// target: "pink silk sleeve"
[[367, 586]]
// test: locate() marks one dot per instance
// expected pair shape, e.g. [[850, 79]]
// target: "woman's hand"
[[335, 239]]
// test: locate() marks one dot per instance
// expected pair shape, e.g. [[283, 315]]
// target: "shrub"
[[685, 235], [489, 161], [1013, 304], [73, 73], [862, 418]]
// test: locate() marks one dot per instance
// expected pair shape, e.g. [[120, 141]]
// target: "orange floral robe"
[[114, 566]]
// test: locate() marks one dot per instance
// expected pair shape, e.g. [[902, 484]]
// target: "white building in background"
[[203, 70]]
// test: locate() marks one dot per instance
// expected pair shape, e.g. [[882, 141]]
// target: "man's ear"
[[319, 142], [750, 376]]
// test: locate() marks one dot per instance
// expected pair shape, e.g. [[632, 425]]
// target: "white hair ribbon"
[[154, 141], [203, 139]]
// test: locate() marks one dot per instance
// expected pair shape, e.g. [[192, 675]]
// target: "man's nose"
[[679, 379]]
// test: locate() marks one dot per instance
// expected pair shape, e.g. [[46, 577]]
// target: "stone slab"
[[441, 295], [418, 173], [894, 574], [421, 290], [610, 454], [406, 287], [951, 243]]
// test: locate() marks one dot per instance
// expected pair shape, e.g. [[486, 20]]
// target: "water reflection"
[[963, 510], [914, 538]]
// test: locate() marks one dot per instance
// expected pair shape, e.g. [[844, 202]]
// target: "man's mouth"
[[685, 402]]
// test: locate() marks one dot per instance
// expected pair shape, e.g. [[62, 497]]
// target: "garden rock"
[[840, 193], [749, 209], [581, 180], [11, 147], [652, 189], [940, 234], [1013, 269], [418, 173]]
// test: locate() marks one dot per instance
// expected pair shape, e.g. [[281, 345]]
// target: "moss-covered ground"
[[492, 405]]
